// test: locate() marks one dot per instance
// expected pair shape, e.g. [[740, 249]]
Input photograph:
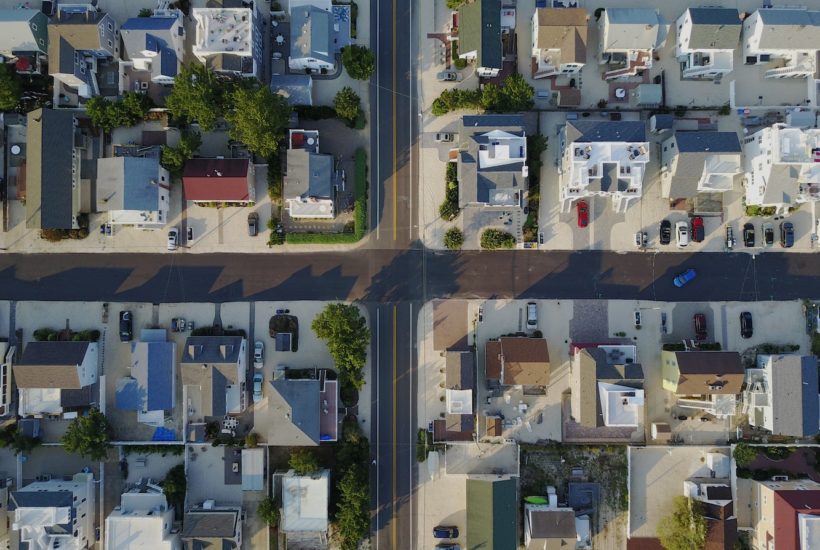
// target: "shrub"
[[314, 112], [268, 511], [744, 454], [252, 440], [454, 239], [778, 453], [359, 61], [303, 462], [421, 446], [347, 105], [680, 111], [602, 103], [724, 110], [492, 239]]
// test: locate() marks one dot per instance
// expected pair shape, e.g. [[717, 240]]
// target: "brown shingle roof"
[[709, 372], [492, 360], [525, 361], [563, 29], [449, 324], [50, 365], [460, 370]]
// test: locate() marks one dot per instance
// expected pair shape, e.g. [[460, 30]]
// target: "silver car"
[[448, 76], [173, 238], [257, 387]]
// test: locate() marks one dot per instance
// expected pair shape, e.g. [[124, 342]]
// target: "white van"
[[532, 316]]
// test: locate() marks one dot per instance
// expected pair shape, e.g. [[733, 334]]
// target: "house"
[[230, 37], [212, 526], [135, 191], [482, 27], [606, 387], [55, 513], [785, 514], [7, 354], [715, 495], [303, 411], [629, 38], [305, 501], [220, 180], [781, 395], [153, 50], [459, 423], [786, 40], [296, 88], [780, 163], [559, 41], [311, 180], [492, 514], [704, 380], [492, 162], [550, 526], [605, 159], [80, 39], [150, 390], [312, 45], [699, 162], [517, 361], [706, 41], [213, 371], [54, 376], [24, 38], [142, 520], [56, 191]]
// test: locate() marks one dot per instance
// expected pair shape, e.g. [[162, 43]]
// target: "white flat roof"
[[305, 502], [223, 30]]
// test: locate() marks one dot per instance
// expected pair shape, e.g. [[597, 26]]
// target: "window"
[[110, 44], [111, 27], [34, 26]]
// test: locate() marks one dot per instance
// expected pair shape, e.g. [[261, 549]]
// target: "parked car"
[[258, 354], [447, 546], [173, 238], [730, 237], [700, 326], [253, 224], [768, 234], [666, 232], [126, 326], [748, 235], [277, 56], [746, 327], [444, 137], [697, 229], [257, 387], [445, 532], [786, 234], [682, 234], [532, 315], [637, 318], [685, 277], [583, 213], [448, 76]]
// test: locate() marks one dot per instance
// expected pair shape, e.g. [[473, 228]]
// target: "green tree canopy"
[[198, 95], [268, 511], [345, 332], [258, 118], [744, 454], [174, 158], [11, 87], [453, 239], [303, 462], [347, 104], [174, 486], [107, 115], [352, 513], [359, 61], [88, 436], [685, 527], [492, 239]]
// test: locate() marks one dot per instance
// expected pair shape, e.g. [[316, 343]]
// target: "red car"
[[583, 214], [700, 326], [697, 229]]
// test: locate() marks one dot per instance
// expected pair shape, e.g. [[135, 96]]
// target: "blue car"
[[685, 277], [445, 532]]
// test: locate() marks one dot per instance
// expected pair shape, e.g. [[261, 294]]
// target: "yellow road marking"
[[395, 516]]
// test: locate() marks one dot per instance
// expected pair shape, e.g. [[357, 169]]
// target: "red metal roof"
[[787, 505], [216, 180]]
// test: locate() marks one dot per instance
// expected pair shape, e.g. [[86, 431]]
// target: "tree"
[[352, 515], [197, 95], [359, 61], [252, 440], [492, 239], [268, 511], [685, 528], [107, 115], [517, 94], [347, 104], [259, 118], [345, 332], [453, 239], [146, 12], [303, 462], [88, 436], [744, 454], [174, 486], [454, 4], [174, 158], [11, 87], [491, 97]]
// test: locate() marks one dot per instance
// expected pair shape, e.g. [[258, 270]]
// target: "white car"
[[257, 387], [173, 238], [682, 232], [258, 354], [532, 315]]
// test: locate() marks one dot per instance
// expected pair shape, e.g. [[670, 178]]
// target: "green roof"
[[479, 30], [492, 511]]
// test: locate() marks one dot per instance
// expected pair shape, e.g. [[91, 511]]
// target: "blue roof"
[[811, 404], [148, 23], [707, 142], [151, 384], [168, 62], [714, 16], [129, 396], [139, 192]]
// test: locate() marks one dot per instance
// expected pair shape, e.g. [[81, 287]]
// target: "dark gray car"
[[253, 224]]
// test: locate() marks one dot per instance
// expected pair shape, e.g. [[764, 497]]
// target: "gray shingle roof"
[[714, 28], [210, 524], [480, 31], [309, 174], [127, 183], [711, 142], [310, 33], [460, 370], [552, 524], [40, 499], [297, 402], [795, 403], [591, 131], [789, 29], [50, 365], [209, 349]]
